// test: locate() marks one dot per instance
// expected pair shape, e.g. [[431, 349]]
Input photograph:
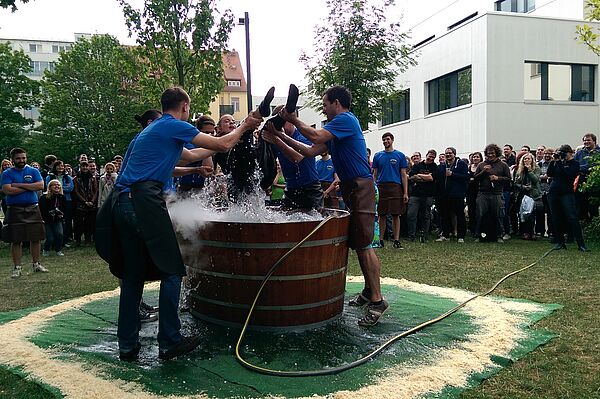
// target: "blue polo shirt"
[[325, 170], [25, 175], [388, 165], [301, 174], [348, 148], [154, 153]]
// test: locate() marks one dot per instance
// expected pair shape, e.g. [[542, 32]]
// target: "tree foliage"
[[184, 40], [586, 33], [17, 92], [10, 3], [90, 99], [356, 47]]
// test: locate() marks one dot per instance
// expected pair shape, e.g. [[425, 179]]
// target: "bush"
[[592, 230]]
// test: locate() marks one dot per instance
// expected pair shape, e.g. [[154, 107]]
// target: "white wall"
[[512, 40]]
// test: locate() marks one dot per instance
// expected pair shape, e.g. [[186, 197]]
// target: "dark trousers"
[[418, 216], [564, 214], [85, 223], [489, 203], [68, 222], [54, 236], [472, 211], [453, 207], [136, 257]]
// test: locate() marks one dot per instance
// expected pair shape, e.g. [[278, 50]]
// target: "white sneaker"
[[60, 253], [461, 240], [37, 267], [442, 239], [16, 272], [506, 237], [45, 253]]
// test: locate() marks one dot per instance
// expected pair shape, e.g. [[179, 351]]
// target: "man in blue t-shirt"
[[146, 245], [389, 170], [342, 136], [329, 180], [302, 187], [23, 220]]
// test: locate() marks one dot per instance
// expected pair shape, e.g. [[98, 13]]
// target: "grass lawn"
[[568, 367]]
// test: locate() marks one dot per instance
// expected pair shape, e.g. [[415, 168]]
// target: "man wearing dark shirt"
[[422, 177]]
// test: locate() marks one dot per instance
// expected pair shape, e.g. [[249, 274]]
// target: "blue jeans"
[[136, 258], [54, 236]]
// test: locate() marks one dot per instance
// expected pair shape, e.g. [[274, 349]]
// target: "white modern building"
[[499, 72]]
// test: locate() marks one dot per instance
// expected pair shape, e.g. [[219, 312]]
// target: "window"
[[522, 6], [449, 91], [57, 48], [35, 48], [396, 108], [558, 82], [38, 67], [465, 19], [234, 83], [235, 102]]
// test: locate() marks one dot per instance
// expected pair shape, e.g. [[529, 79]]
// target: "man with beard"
[[86, 193], [423, 176], [346, 143], [23, 218]]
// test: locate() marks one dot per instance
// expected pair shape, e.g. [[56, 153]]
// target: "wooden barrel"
[[228, 262]]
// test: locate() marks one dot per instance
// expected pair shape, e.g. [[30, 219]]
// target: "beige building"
[[232, 99]]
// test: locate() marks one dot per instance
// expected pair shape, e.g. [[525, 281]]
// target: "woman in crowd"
[[472, 190], [527, 182], [5, 165], [58, 172], [52, 207], [107, 182]]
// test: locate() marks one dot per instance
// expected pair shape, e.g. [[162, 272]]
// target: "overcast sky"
[[279, 29]]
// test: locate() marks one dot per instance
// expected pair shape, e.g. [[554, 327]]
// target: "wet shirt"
[[325, 170], [194, 179], [301, 174], [25, 175], [348, 148], [153, 154], [388, 165]]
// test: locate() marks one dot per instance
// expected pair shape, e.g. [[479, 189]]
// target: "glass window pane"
[[532, 81], [530, 5], [444, 93], [559, 82], [464, 87]]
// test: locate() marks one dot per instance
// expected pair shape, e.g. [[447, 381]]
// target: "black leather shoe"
[[265, 106], [559, 245], [186, 345], [583, 248], [132, 355], [292, 98]]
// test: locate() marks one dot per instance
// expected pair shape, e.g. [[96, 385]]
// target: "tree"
[[586, 34], [184, 40], [11, 4], [90, 100], [357, 48], [17, 92]]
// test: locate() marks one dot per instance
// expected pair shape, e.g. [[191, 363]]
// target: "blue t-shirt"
[[348, 148], [194, 179], [25, 175], [388, 165], [325, 170], [298, 174], [154, 153]]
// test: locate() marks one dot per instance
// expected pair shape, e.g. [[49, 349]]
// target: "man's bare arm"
[[37, 186], [8, 189]]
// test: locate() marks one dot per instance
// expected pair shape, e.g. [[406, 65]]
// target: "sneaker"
[[442, 239], [37, 267], [461, 240], [45, 253], [477, 240], [359, 300], [132, 355], [67, 245], [16, 272], [147, 317], [398, 244], [60, 253], [506, 237], [374, 313], [583, 248], [500, 240], [148, 308], [186, 345]]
